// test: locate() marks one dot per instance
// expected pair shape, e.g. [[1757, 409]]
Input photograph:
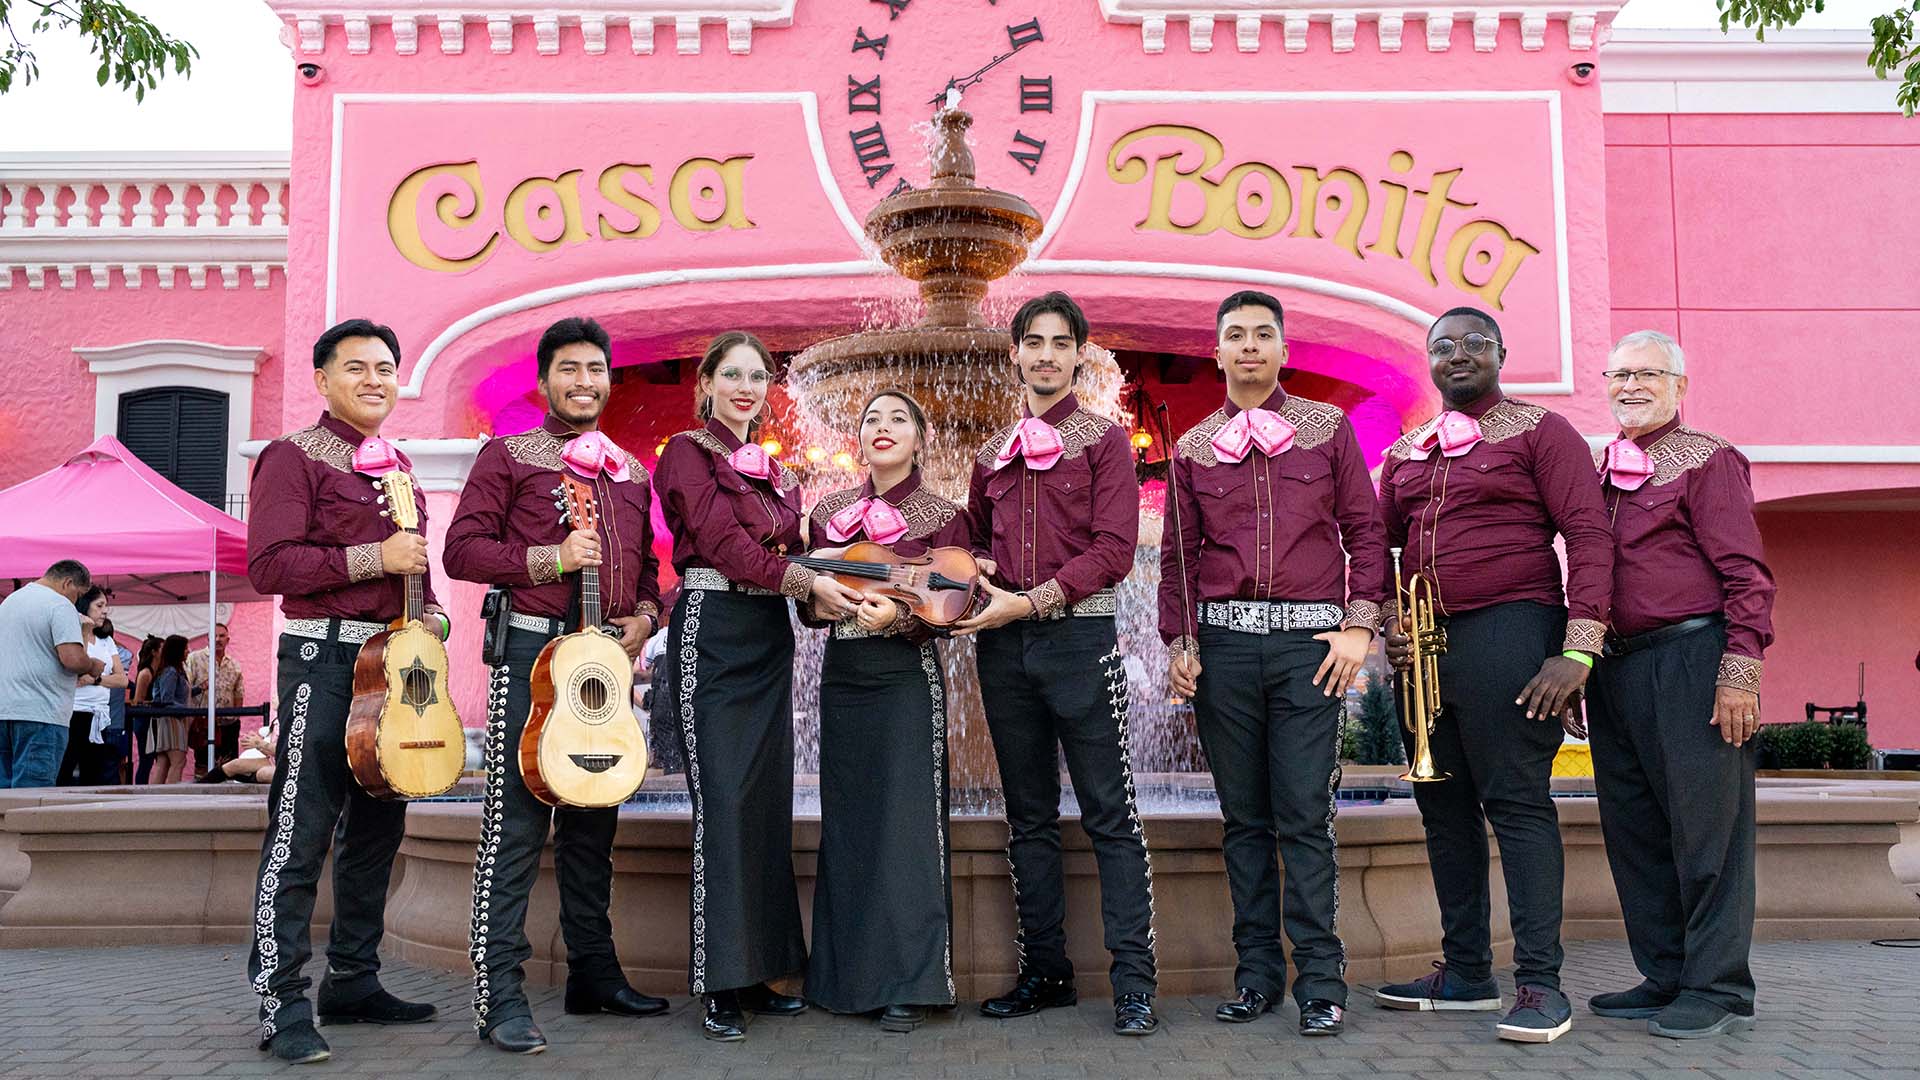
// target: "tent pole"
[[213, 661]]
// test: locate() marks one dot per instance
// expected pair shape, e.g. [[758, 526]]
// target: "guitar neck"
[[416, 598], [589, 596]]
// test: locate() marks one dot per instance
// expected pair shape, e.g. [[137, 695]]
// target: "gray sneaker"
[[1691, 1017], [1539, 1015]]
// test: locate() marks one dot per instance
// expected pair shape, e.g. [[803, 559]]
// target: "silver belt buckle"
[[1249, 617]]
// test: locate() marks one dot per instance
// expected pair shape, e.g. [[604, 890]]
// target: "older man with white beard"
[[1675, 704]]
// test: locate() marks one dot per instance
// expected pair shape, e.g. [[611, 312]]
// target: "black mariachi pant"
[[312, 788], [1061, 683], [1502, 766], [1676, 807], [513, 832], [1273, 739]]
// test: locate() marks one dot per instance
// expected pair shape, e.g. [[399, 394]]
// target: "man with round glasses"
[[1476, 496], [1675, 706]]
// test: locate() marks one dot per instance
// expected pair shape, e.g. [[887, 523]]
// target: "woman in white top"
[[93, 694]]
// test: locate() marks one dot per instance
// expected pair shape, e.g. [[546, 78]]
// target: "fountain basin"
[[128, 865]]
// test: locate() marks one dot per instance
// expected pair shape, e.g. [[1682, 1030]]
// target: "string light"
[[843, 460], [771, 446], [1142, 440], [661, 449], [816, 455]]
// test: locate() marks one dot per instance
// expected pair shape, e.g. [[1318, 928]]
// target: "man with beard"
[[1053, 501], [318, 538], [1675, 706], [507, 533], [1475, 496], [1264, 636]]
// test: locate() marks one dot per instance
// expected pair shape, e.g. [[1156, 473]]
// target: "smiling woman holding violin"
[[735, 516], [883, 904]]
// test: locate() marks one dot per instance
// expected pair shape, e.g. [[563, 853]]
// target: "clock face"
[[902, 55]]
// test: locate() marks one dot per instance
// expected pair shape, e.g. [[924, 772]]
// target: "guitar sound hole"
[[419, 688], [593, 695]]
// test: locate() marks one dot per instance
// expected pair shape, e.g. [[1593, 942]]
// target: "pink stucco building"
[[675, 169]]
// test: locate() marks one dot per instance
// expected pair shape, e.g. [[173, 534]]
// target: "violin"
[[940, 587]]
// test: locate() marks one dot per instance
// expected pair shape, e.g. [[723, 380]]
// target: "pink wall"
[[1848, 593]]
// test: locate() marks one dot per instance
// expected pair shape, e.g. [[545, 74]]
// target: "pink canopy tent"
[[141, 536]]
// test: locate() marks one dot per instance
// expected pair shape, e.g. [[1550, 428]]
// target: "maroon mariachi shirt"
[[739, 525], [931, 522], [1059, 535], [1481, 525], [314, 529], [1686, 544], [507, 530], [1271, 528]]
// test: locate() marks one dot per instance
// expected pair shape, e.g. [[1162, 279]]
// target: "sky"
[[241, 90]]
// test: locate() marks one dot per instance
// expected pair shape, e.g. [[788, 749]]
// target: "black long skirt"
[[734, 696], [883, 902]]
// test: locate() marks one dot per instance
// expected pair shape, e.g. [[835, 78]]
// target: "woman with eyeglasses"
[[883, 899], [735, 515]]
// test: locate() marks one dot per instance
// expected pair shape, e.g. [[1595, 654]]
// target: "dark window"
[[181, 431]]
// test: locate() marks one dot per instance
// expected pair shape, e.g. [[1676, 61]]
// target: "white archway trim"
[[621, 283], [146, 365]]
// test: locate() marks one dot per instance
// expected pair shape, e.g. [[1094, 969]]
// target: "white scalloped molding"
[[144, 365], [313, 22], [1583, 22]]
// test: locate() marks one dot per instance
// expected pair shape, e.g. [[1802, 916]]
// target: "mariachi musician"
[[318, 539], [1475, 497], [883, 897], [735, 516], [508, 533], [1265, 636]]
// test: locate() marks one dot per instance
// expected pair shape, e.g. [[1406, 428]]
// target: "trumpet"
[[1415, 602]]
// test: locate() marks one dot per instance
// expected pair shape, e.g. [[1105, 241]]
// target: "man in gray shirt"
[[41, 656]]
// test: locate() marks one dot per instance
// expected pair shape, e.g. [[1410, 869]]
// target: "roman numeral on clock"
[[1024, 34], [862, 41], [863, 96], [894, 7], [1029, 157], [870, 146], [1036, 95]]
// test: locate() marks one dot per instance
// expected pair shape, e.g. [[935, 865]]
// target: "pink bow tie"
[[751, 460], [1626, 466], [876, 517], [375, 456], [593, 453], [1452, 433], [1035, 440], [1250, 428]]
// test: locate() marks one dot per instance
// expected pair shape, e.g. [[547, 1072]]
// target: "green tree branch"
[[134, 54], [1894, 46]]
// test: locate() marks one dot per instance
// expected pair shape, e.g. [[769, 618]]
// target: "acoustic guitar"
[[582, 745], [404, 739]]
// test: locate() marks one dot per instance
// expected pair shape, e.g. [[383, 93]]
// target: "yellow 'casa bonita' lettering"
[[1333, 206], [627, 213]]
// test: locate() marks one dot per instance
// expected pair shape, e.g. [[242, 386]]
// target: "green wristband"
[[1576, 654], [558, 566]]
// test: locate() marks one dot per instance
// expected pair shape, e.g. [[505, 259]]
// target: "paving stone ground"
[[1828, 1011]]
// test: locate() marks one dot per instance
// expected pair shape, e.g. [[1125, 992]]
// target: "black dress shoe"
[[1322, 1017], [378, 1007], [1133, 1014], [723, 1022], [762, 1001], [517, 1035], [902, 1018], [625, 1001], [1643, 1002], [1028, 996], [298, 1045], [1251, 1005]]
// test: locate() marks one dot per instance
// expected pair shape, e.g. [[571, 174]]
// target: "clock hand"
[[973, 79]]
